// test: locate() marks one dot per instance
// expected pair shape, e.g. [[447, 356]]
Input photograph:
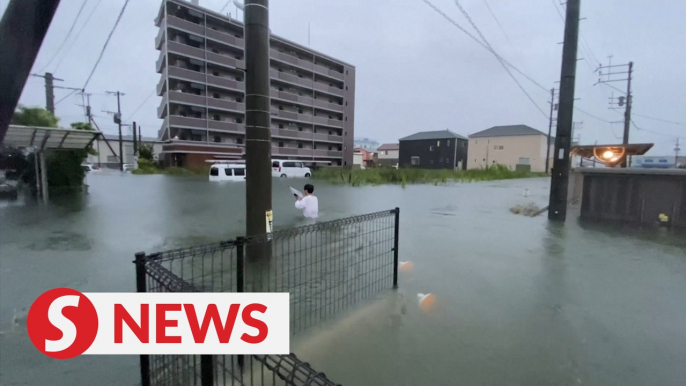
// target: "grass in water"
[[381, 176], [148, 167]]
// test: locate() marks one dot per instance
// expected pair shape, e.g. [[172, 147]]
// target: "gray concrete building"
[[202, 89]]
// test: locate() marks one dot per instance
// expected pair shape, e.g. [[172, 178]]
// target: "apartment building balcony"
[[187, 122], [222, 82], [163, 128], [160, 38], [185, 98], [305, 64], [185, 25], [225, 38], [306, 101], [326, 88], [306, 152], [305, 136], [162, 60], [224, 60], [185, 50], [274, 74], [162, 108], [163, 80], [229, 127], [224, 104]]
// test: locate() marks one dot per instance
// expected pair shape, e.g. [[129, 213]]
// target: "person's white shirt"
[[309, 205]]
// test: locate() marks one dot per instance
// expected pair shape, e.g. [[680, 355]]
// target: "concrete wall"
[[508, 151]]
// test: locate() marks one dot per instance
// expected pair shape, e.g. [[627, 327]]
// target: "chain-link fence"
[[325, 267]]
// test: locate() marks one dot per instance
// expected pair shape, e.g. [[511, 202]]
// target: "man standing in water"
[[308, 204]]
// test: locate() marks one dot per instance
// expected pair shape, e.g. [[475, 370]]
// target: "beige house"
[[388, 154], [517, 147]]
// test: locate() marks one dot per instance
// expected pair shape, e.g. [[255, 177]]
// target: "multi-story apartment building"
[[202, 88]]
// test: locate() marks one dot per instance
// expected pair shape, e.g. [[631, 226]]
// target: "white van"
[[227, 172], [283, 169]]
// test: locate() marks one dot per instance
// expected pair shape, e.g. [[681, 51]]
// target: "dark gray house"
[[441, 149]]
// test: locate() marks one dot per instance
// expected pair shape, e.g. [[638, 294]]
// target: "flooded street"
[[520, 301]]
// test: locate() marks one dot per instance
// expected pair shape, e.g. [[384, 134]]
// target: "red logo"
[[62, 323]]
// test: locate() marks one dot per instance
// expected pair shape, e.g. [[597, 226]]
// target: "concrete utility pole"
[[257, 118], [622, 101], [49, 90], [135, 140], [550, 129], [627, 111], [676, 153], [117, 120], [557, 208]]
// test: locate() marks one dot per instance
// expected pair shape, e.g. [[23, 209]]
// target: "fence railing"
[[325, 267]]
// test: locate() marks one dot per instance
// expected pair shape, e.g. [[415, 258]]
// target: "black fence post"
[[240, 278], [141, 287], [395, 247], [206, 370]]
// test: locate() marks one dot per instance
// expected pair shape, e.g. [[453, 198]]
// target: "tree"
[[145, 151], [34, 116]]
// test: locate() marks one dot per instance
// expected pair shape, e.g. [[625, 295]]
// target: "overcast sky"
[[415, 70]]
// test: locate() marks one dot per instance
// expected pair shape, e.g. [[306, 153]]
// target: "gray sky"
[[415, 70]]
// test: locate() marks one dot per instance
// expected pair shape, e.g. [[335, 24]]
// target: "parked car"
[[90, 168], [227, 172], [284, 169]]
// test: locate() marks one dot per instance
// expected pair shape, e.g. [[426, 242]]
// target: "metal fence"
[[325, 267]]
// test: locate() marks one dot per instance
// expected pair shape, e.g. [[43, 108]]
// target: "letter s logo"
[[62, 323], [65, 325]]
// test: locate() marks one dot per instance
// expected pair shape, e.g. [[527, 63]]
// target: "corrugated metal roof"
[[389, 146], [507, 131], [440, 134], [48, 137]]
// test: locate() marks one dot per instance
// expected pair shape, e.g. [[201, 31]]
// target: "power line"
[[104, 47], [497, 21], [661, 120], [580, 34], [225, 5], [76, 37], [67, 96], [66, 37], [140, 105], [654, 132], [490, 48], [453, 22]]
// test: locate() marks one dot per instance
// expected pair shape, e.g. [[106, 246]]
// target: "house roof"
[[507, 131], [440, 134], [389, 146]]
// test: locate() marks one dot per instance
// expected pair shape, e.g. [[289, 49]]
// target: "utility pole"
[[135, 140], [257, 133], [676, 153], [117, 120], [89, 117], [626, 100], [557, 207], [49, 90], [553, 106]]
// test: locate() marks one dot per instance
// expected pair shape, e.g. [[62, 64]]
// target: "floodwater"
[[519, 301]]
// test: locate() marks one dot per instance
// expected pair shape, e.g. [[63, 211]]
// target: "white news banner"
[[265, 323]]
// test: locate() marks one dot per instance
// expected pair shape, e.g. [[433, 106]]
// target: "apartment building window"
[[216, 96], [217, 138], [216, 117], [215, 73], [330, 132], [280, 126], [281, 108], [280, 144], [280, 88], [239, 120], [239, 100], [215, 51], [300, 146], [300, 128], [280, 70], [414, 160], [496, 147], [447, 142], [300, 111], [330, 148], [239, 140]]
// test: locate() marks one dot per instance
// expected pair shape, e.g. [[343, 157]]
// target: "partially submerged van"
[[285, 168], [227, 172]]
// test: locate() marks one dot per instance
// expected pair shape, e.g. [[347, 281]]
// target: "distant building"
[[107, 158], [367, 144], [388, 154], [441, 149], [363, 158], [202, 90], [657, 162], [516, 146]]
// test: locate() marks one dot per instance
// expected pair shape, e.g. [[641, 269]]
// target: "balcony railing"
[[163, 80], [185, 98], [159, 39], [225, 60], [231, 127], [188, 26], [306, 101], [162, 106], [193, 123], [225, 83], [306, 152], [185, 74], [306, 64], [225, 104], [327, 88], [162, 59], [186, 50], [225, 38]]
